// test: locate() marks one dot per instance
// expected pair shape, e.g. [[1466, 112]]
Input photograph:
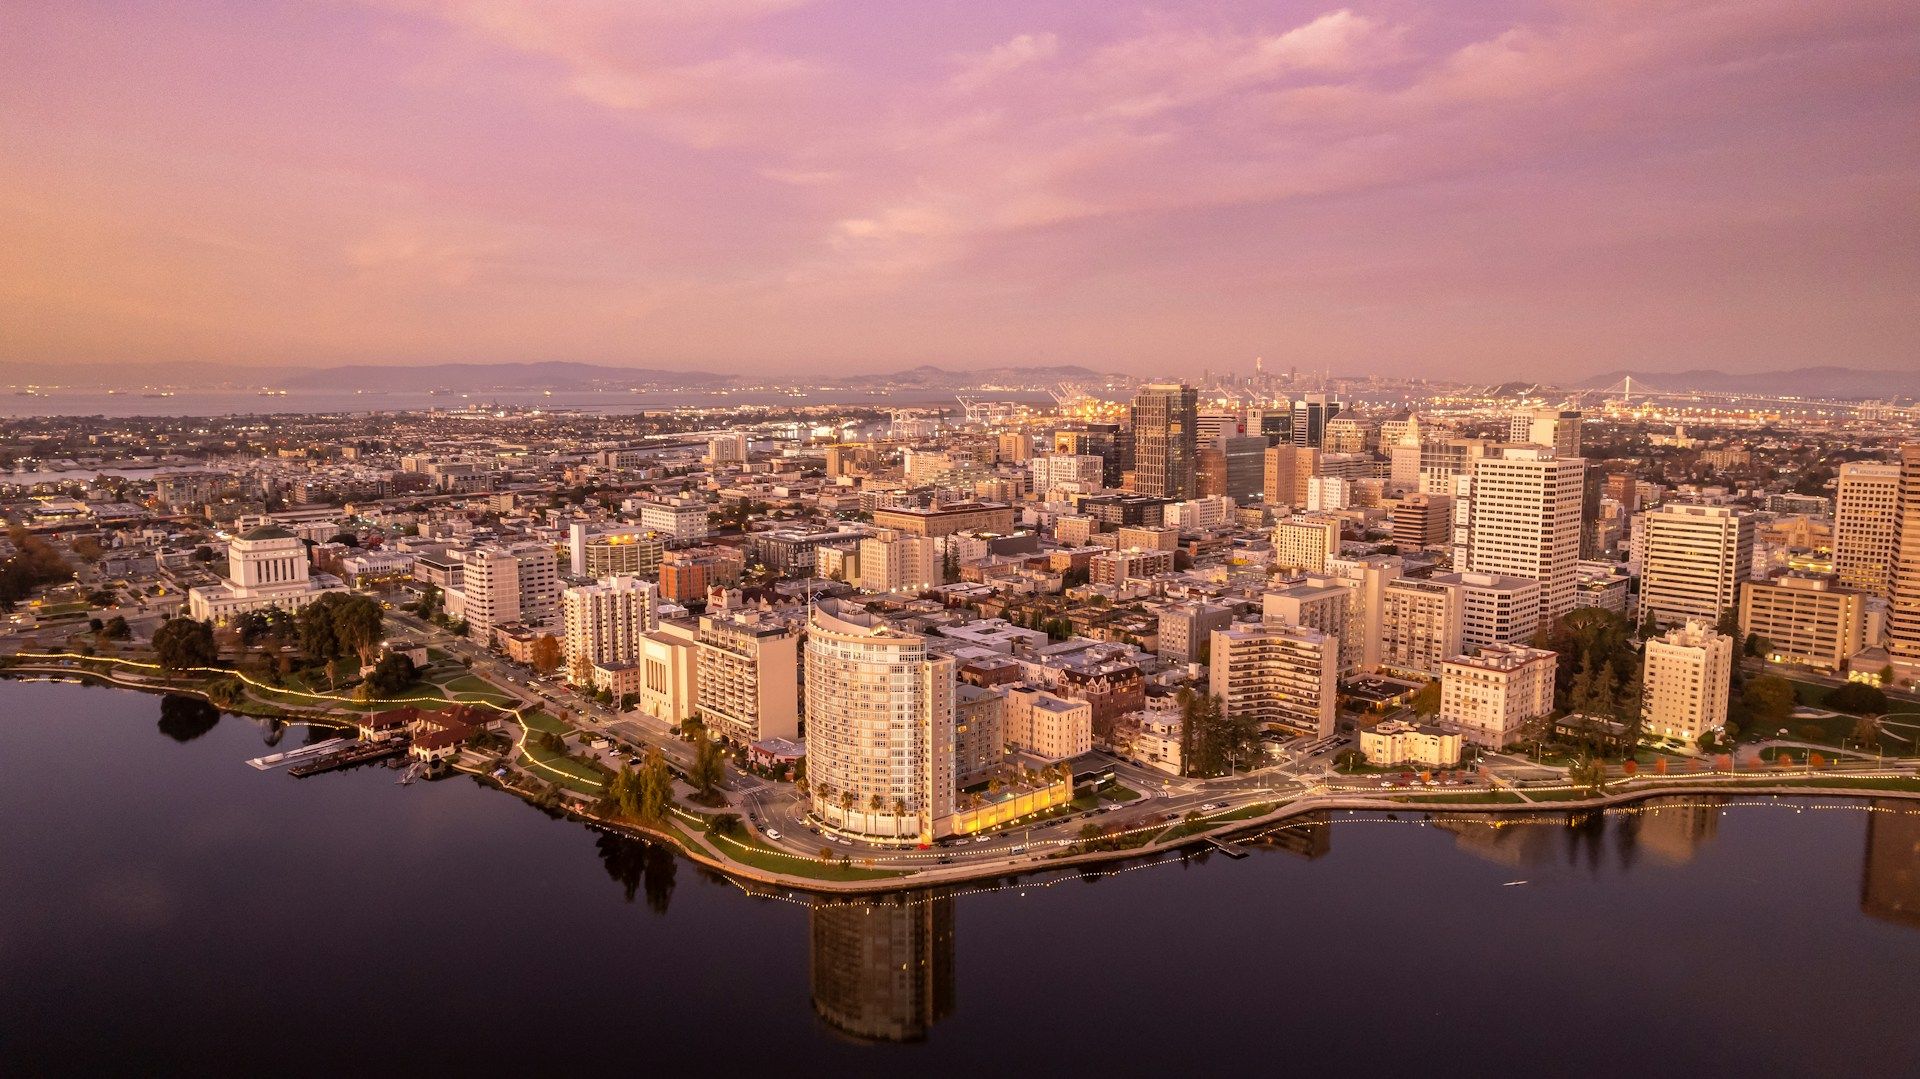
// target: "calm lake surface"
[[166, 909]]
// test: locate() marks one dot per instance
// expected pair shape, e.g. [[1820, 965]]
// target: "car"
[[980, 839], [1018, 848], [1208, 807], [635, 762], [773, 833]]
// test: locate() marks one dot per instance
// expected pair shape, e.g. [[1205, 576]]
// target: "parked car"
[[773, 833]]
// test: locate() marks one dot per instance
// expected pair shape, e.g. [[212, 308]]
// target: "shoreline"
[[1789, 785]]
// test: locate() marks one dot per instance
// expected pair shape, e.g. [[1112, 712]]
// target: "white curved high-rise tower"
[[879, 727]]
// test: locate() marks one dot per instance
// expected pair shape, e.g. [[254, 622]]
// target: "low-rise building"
[[1492, 696], [1426, 745]]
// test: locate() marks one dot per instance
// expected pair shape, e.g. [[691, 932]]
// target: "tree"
[[655, 787], [431, 600], [1866, 731], [1426, 702], [1768, 701], [392, 676], [341, 624], [546, 653], [87, 549], [709, 762], [580, 670], [1857, 698], [116, 629], [183, 643], [345, 539]]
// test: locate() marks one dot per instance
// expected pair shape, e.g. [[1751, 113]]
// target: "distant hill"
[[495, 376], [1844, 382], [485, 377], [930, 377]]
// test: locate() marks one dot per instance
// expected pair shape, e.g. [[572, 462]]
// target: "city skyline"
[[773, 185]]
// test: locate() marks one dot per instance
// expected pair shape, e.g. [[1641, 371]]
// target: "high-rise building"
[[1554, 427], [1422, 520], [1165, 420], [1283, 677], [1083, 471], [1684, 682], [1692, 560], [1525, 521], [893, 561], [1185, 629], [1311, 415], [1903, 608], [520, 583], [1864, 508], [749, 677], [604, 623], [1287, 471], [1304, 542], [675, 520], [1047, 726], [729, 448], [1495, 608], [628, 552], [1805, 618], [880, 727], [1493, 695], [1421, 625]]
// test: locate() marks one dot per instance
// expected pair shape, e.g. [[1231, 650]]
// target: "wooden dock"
[[1231, 850]]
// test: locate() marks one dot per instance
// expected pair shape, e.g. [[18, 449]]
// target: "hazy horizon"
[[1510, 190]]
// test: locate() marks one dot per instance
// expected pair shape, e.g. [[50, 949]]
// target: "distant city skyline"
[[1516, 190]]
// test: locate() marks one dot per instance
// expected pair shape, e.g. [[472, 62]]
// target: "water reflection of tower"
[[1672, 830], [883, 968], [1508, 840], [1890, 877], [1308, 836]]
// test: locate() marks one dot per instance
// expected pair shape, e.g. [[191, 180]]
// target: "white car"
[[1209, 807], [773, 833]]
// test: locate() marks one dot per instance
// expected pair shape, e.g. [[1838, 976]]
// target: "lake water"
[[165, 909]]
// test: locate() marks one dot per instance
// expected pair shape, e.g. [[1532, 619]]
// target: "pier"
[[358, 753], [296, 756]]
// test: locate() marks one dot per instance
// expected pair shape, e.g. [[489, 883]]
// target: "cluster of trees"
[[1057, 627], [1599, 669], [34, 563], [1211, 742], [644, 795], [546, 654], [392, 676], [183, 643], [341, 624]]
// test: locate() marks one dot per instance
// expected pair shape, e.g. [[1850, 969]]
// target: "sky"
[[1474, 189]]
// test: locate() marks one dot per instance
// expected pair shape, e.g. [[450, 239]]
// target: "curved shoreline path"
[[748, 856]]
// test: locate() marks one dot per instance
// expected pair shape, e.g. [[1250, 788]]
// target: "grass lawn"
[[570, 772], [540, 720], [1192, 827], [1891, 783], [751, 851], [1462, 797], [1548, 796], [471, 687], [1118, 792]]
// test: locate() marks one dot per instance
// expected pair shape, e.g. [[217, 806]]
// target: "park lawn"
[[1464, 797], [473, 686], [1884, 783], [1810, 693], [540, 720], [751, 851], [1826, 730], [570, 772], [1118, 792], [1194, 827], [1547, 796]]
